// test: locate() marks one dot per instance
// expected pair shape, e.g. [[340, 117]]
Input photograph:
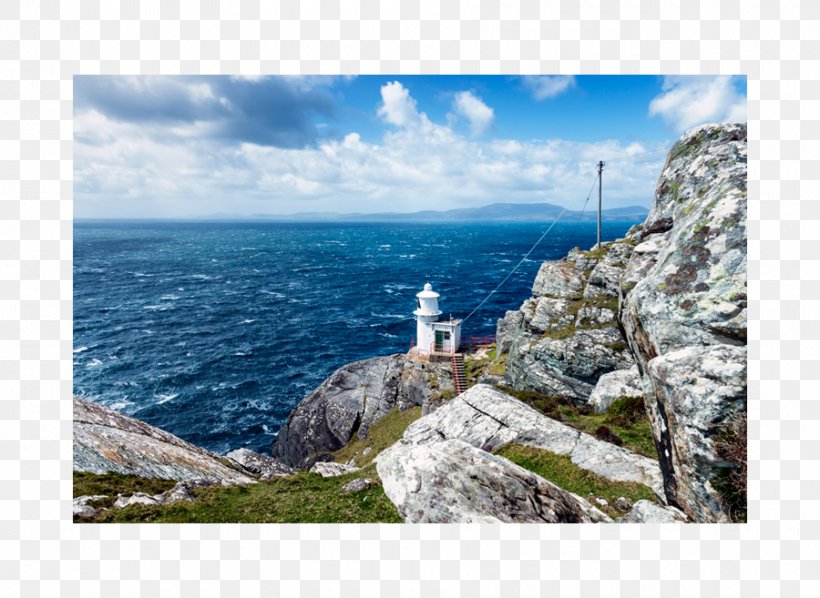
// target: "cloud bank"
[[269, 147]]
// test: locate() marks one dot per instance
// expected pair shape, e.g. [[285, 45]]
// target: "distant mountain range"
[[497, 212]]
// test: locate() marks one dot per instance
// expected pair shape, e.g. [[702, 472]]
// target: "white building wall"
[[424, 332]]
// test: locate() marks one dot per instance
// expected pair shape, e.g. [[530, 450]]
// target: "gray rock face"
[[506, 329], [691, 287], [107, 441], [488, 419], [683, 309], [693, 393], [648, 512], [329, 469], [568, 367], [613, 386], [350, 400], [453, 482], [262, 465], [566, 336]]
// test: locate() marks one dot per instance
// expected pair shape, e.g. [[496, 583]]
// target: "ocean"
[[214, 331]]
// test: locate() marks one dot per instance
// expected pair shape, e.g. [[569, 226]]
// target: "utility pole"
[[600, 183]]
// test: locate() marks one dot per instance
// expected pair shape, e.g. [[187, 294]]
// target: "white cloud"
[[474, 110], [398, 106], [544, 87], [690, 101], [138, 169]]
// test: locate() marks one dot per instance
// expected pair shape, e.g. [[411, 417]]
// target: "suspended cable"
[[527, 255]]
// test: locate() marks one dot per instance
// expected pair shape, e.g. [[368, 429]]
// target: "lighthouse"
[[433, 336]]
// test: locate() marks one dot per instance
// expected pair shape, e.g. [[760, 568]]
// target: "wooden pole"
[[600, 182]]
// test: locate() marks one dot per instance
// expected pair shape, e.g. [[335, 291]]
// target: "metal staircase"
[[459, 379]]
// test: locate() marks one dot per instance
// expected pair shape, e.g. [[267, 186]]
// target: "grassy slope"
[[299, 498], [560, 470], [381, 435], [626, 418]]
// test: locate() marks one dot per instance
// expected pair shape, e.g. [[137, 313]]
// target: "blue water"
[[214, 331]]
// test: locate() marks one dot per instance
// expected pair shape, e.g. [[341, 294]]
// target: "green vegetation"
[[491, 364], [110, 484], [560, 470], [380, 435], [299, 498], [573, 309], [626, 419]]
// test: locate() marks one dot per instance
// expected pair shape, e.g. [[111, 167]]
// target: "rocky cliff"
[[662, 313], [683, 310], [106, 441], [351, 399], [566, 336]]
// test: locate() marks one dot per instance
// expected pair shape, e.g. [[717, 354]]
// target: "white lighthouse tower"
[[433, 336]]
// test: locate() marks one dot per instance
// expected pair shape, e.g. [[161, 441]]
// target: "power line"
[[527, 255]]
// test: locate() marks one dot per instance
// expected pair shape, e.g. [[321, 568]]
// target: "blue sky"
[[191, 146]]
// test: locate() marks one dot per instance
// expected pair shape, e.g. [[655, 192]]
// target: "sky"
[[203, 146]]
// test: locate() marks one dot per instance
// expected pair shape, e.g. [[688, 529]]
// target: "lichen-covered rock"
[[351, 399], [683, 309], [106, 441], [488, 419], [648, 512], [692, 285], [613, 386], [692, 394], [568, 367], [329, 469], [451, 481], [262, 465], [559, 279], [505, 331], [566, 336]]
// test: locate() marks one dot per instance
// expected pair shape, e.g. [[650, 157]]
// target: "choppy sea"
[[214, 331]]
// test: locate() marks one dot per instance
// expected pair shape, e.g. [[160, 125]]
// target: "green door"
[[442, 336]]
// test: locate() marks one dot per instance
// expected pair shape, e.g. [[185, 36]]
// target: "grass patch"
[[560, 470], [492, 364], [380, 435], [111, 484], [299, 498], [626, 419]]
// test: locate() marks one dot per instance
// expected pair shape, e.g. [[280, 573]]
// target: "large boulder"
[[350, 400], [106, 441], [613, 386], [451, 481], [683, 310], [488, 419]]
